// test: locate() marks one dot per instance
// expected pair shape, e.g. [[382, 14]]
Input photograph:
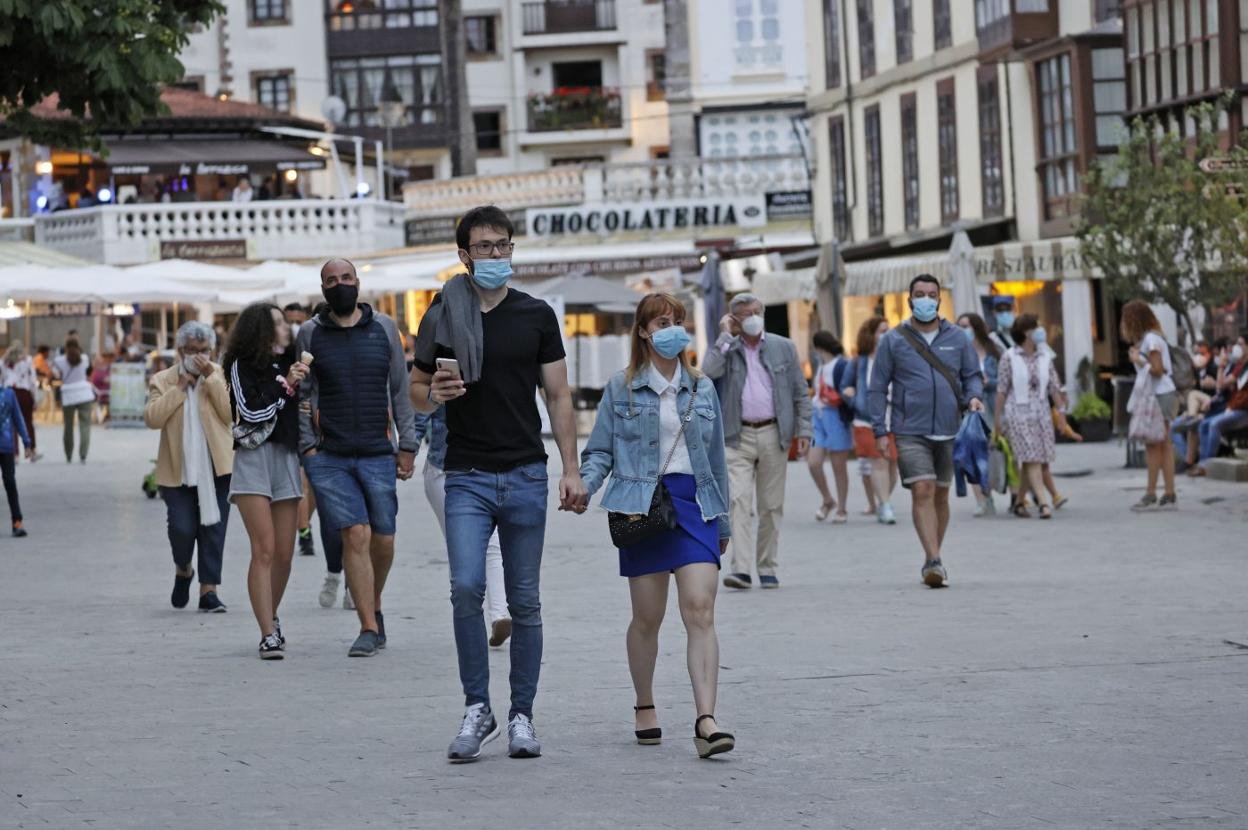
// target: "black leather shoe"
[[647, 737], [181, 589]]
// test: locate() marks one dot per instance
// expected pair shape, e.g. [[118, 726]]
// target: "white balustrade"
[[632, 182], [129, 234]]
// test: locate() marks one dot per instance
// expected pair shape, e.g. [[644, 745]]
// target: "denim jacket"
[[625, 444]]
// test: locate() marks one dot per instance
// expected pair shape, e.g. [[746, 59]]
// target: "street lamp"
[[392, 110]]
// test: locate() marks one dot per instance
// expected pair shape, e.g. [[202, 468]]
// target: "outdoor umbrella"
[[829, 274], [962, 270], [712, 294]]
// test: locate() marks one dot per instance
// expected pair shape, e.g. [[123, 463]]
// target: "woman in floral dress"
[[1026, 381]]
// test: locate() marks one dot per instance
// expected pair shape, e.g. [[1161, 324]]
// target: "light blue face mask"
[[924, 309], [1005, 319], [490, 274], [970, 333], [671, 341], [1039, 336]]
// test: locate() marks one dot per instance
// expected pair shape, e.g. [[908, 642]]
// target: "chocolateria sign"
[[648, 217]]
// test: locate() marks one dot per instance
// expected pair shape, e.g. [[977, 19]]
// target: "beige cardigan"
[[164, 412]]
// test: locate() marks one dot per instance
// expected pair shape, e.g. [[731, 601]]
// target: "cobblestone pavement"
[[1084, 672]]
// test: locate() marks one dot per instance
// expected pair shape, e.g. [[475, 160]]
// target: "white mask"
[[294, 330], [753, 325], [1237, 353], [188, 363]]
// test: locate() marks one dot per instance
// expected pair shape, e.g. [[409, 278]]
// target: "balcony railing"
[[575, 108], [130, 234], [596, 183], [553, 17]]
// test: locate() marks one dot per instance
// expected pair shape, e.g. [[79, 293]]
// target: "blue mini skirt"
[[693, 539]]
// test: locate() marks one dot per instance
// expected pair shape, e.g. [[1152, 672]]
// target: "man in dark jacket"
[[353, 400]]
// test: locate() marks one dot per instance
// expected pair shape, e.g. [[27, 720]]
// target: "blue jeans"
[[514, 502], [1211, 430], [354, 490], [186, 533]]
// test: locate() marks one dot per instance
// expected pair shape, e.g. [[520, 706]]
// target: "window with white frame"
[[757, 26]]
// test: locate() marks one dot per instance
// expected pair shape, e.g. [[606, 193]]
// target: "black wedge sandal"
[[648, 737], [712, 744]]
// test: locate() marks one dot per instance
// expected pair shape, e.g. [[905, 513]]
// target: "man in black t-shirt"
[[505, 344]]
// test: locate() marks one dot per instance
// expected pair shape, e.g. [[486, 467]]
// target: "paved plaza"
[[1090, 671]]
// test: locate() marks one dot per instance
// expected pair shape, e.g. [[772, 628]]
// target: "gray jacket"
[[789, 392], [922, 401]]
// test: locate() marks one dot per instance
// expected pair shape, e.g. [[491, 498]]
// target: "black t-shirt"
[[496, 426]]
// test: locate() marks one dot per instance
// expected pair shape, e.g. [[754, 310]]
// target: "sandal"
[[1060, 502], [824, 510], [1020, 510], [713, 744], [648, 737], [840, 519], [1046, 512]]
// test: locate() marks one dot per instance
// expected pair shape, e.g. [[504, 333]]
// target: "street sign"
[[1215, 164]]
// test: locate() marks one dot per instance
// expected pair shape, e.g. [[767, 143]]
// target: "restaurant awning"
[[202, 157], [1046, 260]]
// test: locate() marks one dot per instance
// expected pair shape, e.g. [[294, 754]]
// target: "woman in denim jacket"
[[637, 426]]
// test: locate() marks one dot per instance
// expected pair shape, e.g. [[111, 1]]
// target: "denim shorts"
[[355, 490], [922, 459]]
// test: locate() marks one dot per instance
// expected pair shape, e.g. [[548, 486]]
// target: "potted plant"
[[1092, 417]]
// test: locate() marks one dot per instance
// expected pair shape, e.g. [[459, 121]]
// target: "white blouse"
[[669, 422], [21, 375]]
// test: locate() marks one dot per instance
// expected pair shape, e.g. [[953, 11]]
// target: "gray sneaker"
[[521, 739], [478, 729], [934, 575], [329, 591], [1145, 505], [365, 645]]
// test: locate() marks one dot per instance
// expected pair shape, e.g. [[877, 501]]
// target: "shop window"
[[656, 74], [947, 136], [480, 33], [273, 91], [1058, 166], [268, 11], [875, 171], [991, 166], [903, 29], [942, 24], [840, 178], [910, 160], [866, 39], [417, 78], [831, 43], [488, 125]]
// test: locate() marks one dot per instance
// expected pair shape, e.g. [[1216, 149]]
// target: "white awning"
[[1049, 260], [780, 287], [892, 275]]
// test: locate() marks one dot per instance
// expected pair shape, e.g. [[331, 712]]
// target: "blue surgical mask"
[[970, 333], [924, 309], [1005, 319], [671, 341], [1039, 336], [490, 274]]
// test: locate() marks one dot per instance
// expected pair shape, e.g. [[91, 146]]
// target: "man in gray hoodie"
[[934, 374]]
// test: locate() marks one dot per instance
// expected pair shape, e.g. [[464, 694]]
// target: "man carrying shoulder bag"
[[935, 376]]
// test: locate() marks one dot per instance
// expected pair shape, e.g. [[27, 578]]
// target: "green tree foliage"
[[105, 59], [1159, 227]]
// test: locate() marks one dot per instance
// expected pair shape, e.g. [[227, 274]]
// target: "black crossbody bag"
[[935, 362], [628, 529]]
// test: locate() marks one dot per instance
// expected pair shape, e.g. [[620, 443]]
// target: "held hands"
[[572, 493], [298, 372], [445, 386], [406, 465]]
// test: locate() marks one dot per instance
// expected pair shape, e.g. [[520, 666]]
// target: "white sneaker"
[[329, 591], [985, 508], [886, 515]]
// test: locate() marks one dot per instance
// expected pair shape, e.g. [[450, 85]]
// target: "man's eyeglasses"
[[484, 249]]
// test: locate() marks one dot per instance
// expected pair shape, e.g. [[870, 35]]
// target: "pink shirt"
[[757, 403]]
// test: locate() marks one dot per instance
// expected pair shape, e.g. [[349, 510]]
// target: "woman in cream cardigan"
[[190, 404]]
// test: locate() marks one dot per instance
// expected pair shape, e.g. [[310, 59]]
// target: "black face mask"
[[341, 298]]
